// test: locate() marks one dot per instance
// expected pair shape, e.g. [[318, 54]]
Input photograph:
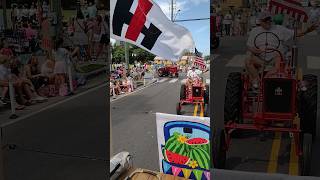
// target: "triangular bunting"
[[186, 173], [176, 170], [198, 174], [166, 166], [207, 174]]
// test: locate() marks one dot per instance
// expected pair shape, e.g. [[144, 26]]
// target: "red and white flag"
[[142, 23], [293, 8], [199, 61]]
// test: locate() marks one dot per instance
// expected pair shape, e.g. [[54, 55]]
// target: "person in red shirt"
[[6, 50]]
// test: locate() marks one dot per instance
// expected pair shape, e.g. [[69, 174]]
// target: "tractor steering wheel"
[[267, 46]]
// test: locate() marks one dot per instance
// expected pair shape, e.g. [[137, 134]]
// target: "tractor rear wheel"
[[233, 93], [221, 154], [206, 95], [183, 92], [308, 105]]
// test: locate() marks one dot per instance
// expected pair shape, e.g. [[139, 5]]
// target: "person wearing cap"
[[191, 76], [257, 56]]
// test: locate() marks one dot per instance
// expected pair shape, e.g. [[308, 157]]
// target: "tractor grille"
[[196, 91], [278, 95]]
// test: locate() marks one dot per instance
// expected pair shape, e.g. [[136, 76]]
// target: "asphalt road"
[[134, 121], [47, 141], [249, 153]]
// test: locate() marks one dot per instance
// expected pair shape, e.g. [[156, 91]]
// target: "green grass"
[[90, 68]]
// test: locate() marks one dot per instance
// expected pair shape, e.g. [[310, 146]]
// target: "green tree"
[[207, 58], [141, 54], [118, 54]]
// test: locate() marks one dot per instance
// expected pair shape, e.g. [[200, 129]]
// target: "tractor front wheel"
[[305, 160], [207, 110], [178, 108], [183, 92]]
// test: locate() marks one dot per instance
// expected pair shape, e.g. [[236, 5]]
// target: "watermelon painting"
[[175, 158], [185, 151]]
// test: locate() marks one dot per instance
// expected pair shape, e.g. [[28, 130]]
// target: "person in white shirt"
[[45, 9], [25, 13], [85, 11], [191, 77], [32, 13], [227, 21], [257, 56]]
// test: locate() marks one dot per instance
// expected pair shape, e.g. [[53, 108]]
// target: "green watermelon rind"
[[201, 156], [175, 146]]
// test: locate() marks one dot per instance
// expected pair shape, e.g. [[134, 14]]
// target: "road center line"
[[273, 161], [201, 110], [195, 111]]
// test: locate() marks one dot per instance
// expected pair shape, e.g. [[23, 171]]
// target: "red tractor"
[[273, 107], [171, 71], [197, 94]]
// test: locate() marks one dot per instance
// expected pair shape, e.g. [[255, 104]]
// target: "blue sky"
[[192, 9]]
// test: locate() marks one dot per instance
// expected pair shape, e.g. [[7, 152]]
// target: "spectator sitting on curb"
[[29, 89], [32, 71], [117, 87], [4, 83], [124, 85]]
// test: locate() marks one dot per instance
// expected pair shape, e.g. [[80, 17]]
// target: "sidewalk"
[[5, 112], [149, 79]]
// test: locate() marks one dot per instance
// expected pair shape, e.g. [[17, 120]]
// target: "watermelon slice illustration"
[[175, 158], [197, 141]]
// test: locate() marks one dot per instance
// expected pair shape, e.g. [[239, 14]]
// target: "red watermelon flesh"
[[197, 141], [176, 158]]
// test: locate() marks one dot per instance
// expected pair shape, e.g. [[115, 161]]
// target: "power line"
[[198, 19]]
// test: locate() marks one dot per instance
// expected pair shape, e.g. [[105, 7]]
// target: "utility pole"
[[126, 49], [172, 10], [4, 8]]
